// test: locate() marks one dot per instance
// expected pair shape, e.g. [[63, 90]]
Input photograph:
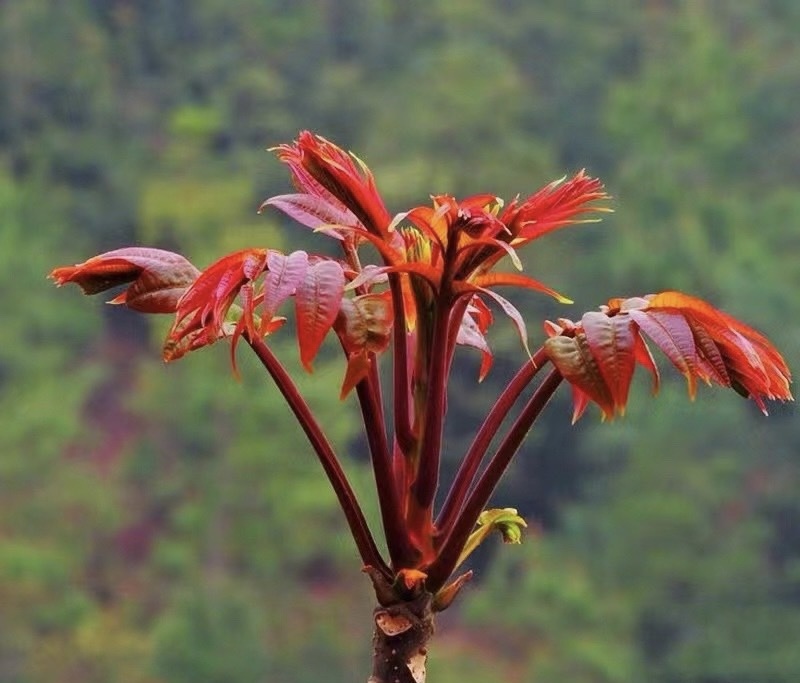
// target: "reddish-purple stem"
[[427, 481], [446, 560], [365, 543], [403, 430], [487, 431], [401, 552], [370, 400]]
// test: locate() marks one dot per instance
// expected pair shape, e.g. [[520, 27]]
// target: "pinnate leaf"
[[699, 340]]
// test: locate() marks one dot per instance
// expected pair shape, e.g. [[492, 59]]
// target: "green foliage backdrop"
[[162, 525]]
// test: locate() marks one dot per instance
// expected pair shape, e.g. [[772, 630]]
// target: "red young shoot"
[[430, 292]]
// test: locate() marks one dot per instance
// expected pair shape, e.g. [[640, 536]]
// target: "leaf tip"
[[119, 300]]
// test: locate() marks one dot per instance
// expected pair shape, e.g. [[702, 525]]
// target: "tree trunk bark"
[[402, 632]]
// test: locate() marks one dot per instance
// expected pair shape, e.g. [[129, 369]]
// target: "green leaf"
[[506, 521]]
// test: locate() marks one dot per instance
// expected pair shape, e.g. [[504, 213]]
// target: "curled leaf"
[[364, 326], [574, 360], [472, 332], [201, 315], [322, 169], [509, 309], [505, 521], [365, 322], [158, 278], [750, 362]]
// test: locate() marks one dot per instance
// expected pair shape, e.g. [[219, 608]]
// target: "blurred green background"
[[169, 525]]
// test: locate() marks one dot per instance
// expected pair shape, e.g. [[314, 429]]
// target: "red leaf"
[[218, 285], [384, 246], [358, 367], [493, 243], [580, 401], [317, 301], [246, 322], [312, 211], [510, 310], [200, 318], [554, 206], [574, 360], [704, 342], [612, 343], [471, 332], [672, 334], [364, 326], [365, 322], [430, 274], [551, 329], [517, 280], [159, 278], [645, 359], [321, 168], [284, 274], [427, 219], [752, 362], [368, 276], [711, 364]]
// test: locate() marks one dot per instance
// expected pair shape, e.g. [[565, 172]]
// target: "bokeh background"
[[168, 524]]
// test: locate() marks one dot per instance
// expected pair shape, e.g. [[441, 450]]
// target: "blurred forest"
[[168, 524]]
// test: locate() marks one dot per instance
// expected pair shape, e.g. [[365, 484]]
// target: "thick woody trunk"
[[402, 632]]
